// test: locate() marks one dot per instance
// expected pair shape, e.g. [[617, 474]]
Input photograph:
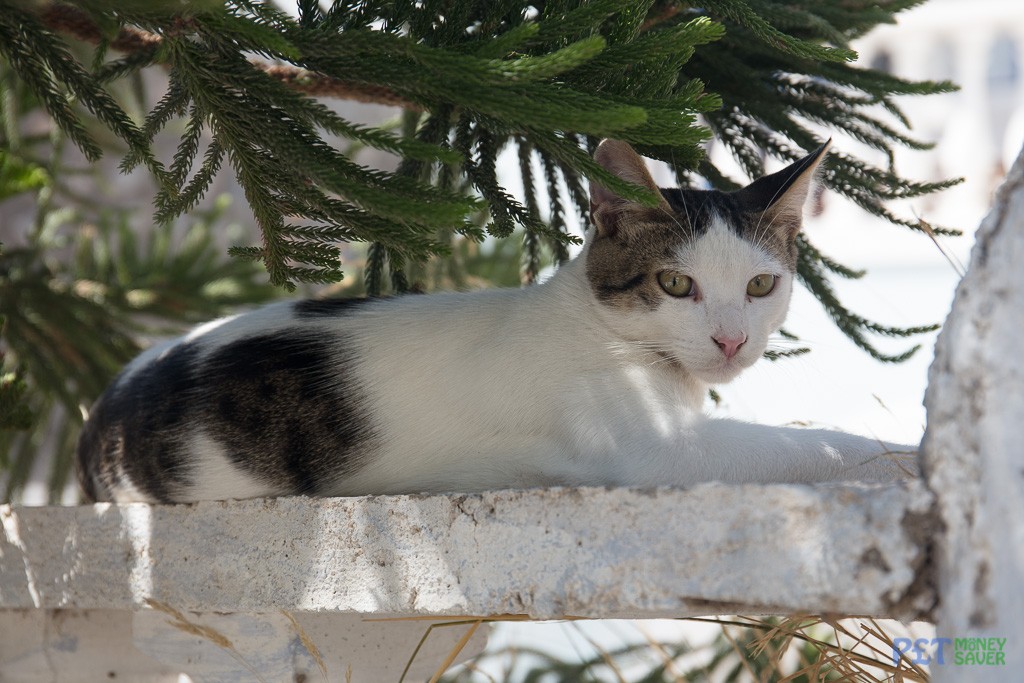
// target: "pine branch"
[[375, 260], [46, 63], [78, 23], [557, 211], [744, 15], [143, 47], [532, 237]]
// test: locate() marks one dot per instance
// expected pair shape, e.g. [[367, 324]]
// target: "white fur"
[[516, 388], [125, 491], [214, 474]]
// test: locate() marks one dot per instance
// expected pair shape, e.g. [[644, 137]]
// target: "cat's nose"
[[730, 346]]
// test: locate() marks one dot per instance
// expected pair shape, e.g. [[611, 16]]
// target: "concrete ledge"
[[544, 553]]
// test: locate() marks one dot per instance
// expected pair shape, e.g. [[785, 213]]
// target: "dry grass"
[[825, 649], [308, 643], [795, 649], [182, 623]]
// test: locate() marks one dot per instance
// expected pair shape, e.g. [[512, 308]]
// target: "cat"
[[595, 377]]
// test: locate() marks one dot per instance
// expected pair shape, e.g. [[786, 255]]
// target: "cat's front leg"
[[741, 452], [746, 452]]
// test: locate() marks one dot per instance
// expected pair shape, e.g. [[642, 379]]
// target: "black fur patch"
[[746, 221], [608, 289], [328, 308], [693, 209], [621, 265], [286, 408], [134, 427]]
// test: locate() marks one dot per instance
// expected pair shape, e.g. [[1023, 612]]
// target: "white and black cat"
[[596, 377]]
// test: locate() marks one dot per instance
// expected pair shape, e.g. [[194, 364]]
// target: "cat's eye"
[[675, 283], [761, 285]]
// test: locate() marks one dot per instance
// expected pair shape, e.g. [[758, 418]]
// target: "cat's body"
[[596, 377]]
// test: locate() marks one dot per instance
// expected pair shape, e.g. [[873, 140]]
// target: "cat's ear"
[[781, 195], [606, 207]]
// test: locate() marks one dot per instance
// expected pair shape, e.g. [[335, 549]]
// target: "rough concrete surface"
[[973, 454], [544, 553]]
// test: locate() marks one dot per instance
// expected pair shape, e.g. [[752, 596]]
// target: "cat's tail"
[[92, 457]]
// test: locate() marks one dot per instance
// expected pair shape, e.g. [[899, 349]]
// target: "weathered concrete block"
[[544, 553], [973, 456]]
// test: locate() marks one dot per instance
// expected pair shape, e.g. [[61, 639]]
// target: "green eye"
[[761, 285], [675, 283]]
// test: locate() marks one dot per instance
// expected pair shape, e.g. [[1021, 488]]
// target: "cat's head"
[[705, 277]]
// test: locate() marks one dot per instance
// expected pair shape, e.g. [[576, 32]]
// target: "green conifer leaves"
[[551, 79], [48, 67], [247, 80]]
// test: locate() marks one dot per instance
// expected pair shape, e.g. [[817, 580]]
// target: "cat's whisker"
[[686, 211], [761, 237], [663, 354], [782, 341], [660, 360], [657, 346], [681, 230]]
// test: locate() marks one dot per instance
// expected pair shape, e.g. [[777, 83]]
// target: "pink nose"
[[730, 346]]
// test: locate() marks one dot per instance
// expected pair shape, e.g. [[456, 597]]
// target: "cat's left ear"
[[781, 195], [606, 207]]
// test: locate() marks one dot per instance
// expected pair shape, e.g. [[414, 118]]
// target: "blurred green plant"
[[14, 413], [78, 299]]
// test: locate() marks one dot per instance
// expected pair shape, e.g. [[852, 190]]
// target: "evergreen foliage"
[[247, 89], [69, 323], [71, 326], [550, 78]]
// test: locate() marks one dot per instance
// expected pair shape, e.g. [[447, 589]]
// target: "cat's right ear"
[[780, 197], [606, 207]]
